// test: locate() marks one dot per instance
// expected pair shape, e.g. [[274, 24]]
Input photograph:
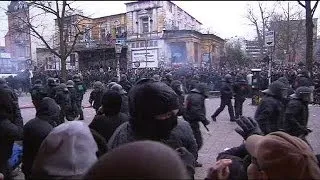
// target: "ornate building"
[[153, 34], [17, 39]]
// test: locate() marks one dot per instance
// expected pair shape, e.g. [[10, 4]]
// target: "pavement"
[[221, 135]]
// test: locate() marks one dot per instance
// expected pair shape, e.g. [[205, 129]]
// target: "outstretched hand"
[[248, 127], [220, 171]]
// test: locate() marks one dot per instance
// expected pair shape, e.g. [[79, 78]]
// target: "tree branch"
[[314, 8], [301, 4]]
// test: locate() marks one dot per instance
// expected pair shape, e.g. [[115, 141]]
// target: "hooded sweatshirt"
[[36, 130], [67, 152]]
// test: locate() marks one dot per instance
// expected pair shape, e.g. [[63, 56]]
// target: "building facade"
[[153, 34], [17, 39], [152, 26], [95, 48]]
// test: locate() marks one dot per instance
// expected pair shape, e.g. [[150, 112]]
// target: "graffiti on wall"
[[178, 52]]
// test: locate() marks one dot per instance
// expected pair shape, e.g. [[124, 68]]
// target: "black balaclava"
[[48, 110], [147, 99], [111, 103]]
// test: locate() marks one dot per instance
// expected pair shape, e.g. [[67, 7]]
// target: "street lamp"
[[118, 48]]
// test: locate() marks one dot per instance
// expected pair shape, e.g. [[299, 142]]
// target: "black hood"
[[152, 98], [6, 105], [48, 109], [111, 103], [148, 99]]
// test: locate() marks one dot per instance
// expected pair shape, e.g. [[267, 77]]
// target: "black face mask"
[[163, 128], [155, 129]]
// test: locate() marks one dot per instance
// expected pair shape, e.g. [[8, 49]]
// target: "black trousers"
[[5, 170], [223, 104], [197, 133], [79, 109], [238, 106]]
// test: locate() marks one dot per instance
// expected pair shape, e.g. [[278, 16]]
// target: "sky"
[[224, 18]]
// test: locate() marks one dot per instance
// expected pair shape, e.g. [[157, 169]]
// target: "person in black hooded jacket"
[[10, 131], [153, 108], [16, 114], [36, 130], [270, 112], [178, 89], [226, 96], [112, 118], [196, 112]]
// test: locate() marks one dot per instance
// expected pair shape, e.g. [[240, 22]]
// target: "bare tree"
[[309, 31], [260, 22], [288, 25], [67, 29]]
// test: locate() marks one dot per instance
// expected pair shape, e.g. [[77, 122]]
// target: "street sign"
[[269, 39]]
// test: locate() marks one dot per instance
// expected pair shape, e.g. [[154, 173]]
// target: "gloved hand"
[[206, 122], [248, 127], [307, 131]]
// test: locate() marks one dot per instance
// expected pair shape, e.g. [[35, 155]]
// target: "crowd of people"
[[147, 125]]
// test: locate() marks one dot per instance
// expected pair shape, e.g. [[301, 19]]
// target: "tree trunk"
[[309, 36], [64, 68]]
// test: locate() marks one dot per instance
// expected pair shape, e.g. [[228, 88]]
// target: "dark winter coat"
[[124, 104], [51, 91], [296, 118], [195, 107], [270, 114], [96, 98], [10, 128], [181, 136], [226, 91], [72, 92], [126, 85], [16, 113], [36, 130], [240, 89], [80, 91], [302, 81], [106, 125]]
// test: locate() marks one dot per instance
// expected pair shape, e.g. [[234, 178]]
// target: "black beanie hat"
[[111, 102], [150, 98]]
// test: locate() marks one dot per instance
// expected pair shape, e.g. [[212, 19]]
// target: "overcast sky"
[[225, 18]]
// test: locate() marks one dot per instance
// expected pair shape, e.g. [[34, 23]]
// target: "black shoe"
[[198, 164], [81, 118], [232, 120], [213, 118]]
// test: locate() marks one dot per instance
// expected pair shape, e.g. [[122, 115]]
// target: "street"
[[221, 135]]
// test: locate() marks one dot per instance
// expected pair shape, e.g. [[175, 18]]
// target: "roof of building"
[[194, 32], [110, 16], [172, 3]]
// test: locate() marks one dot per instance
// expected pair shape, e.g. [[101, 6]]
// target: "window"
[[87, 34], [145, 24], [102, 33], [27, 51], [155, 43], [72, 59], [133, 45], [170, 7], [142, 44]]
